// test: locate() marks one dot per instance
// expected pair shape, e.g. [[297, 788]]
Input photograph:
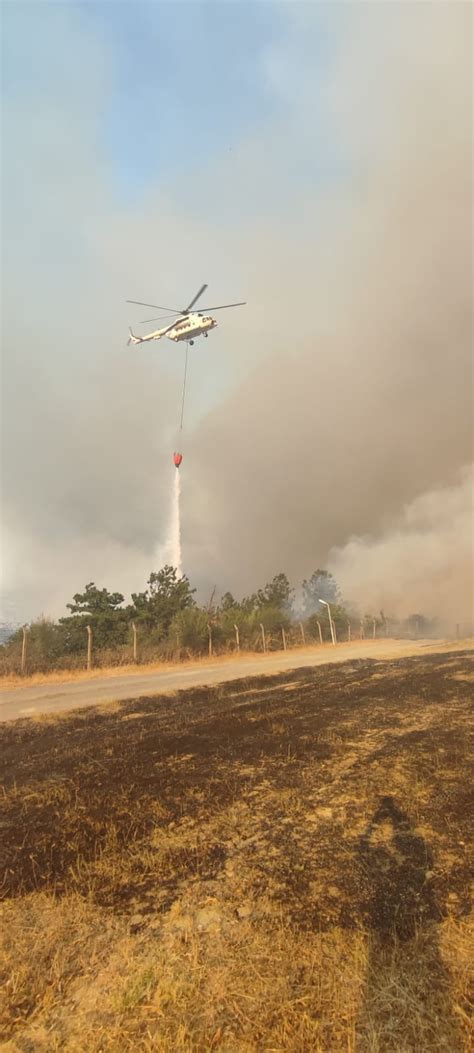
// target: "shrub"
[[189, 630]]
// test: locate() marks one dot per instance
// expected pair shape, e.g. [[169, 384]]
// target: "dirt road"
[[33, 699]]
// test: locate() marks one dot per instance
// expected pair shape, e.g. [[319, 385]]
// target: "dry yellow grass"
[[273, 867], [104, 672], [65, 676], [234, 984]]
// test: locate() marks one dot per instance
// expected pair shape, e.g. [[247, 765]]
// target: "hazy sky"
[[312, 159]]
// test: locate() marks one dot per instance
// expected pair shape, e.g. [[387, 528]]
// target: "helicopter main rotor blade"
[[188, 308], [160, 318], [170, 310], [222, 306]]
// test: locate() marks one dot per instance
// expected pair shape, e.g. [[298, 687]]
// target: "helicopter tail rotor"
[[133, 339]]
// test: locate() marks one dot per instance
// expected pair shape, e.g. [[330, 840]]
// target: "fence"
[[24, 658]]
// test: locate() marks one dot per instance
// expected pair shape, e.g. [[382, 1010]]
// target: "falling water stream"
[[174, 542], [170, 551]]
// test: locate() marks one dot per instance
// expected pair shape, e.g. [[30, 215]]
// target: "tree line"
[[169, 623]]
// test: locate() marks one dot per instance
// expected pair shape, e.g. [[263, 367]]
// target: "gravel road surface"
[[34, 699]]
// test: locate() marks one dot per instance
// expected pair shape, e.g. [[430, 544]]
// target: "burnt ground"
[[341, 792], [276, 865]]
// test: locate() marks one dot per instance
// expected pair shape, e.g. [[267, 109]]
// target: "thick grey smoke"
[[363, 400], [423, 564], [338, 397]]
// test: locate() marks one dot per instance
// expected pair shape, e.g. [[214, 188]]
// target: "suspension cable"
[[184, 385]]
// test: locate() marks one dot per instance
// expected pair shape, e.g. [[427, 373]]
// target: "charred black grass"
[[90, 799], [277, 864]]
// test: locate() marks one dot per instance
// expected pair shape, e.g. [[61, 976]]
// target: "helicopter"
[[186, 326]]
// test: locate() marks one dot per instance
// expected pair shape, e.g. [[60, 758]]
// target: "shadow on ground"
[[305, 817], [405, 967]]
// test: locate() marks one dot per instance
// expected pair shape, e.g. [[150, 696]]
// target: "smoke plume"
[[361, 403], [422, 564], [326, 421]]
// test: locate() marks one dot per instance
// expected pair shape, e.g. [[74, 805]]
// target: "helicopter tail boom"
[[134, 339], [157, 335]]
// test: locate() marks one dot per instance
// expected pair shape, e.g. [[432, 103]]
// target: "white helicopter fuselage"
[[187, 328], [191, 326]]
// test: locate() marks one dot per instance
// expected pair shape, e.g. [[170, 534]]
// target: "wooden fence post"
[[302, 633], [134, 630], [237, 637], [23, 651], [283, 636], [349, 632], [89, 646], [362, 632], [320, 633], [209, 629], [263, 638], [373, 631]]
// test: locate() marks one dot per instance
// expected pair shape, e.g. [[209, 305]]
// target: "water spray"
[[175, 527], [175, 523]]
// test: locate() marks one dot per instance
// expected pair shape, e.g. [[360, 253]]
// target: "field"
[[276, 865]]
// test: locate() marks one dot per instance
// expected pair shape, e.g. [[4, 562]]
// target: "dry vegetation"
[[99, 672], [384, 647], [276, 865]]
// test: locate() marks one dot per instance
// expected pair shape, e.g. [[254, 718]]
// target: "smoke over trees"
[[320, 586], [330, 420], [170, 623]]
